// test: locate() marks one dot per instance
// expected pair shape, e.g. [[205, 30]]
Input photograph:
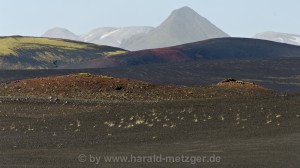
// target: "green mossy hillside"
[[17, 52]]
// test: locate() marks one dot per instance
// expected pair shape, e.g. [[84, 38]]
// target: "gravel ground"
[[261, 131]]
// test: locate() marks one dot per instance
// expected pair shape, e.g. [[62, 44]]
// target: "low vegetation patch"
[[18, 52]]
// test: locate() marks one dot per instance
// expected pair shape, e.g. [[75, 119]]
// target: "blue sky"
[[242, 18]]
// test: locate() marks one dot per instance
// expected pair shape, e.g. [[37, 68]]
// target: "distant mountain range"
[[184, 25], [109, 36], [113, 36], [279, 37], [213, 49]]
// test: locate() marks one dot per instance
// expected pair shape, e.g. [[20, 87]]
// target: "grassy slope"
[[39, 53]]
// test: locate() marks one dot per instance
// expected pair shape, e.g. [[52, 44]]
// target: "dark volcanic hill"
[[18, 52], [184, 25], [213, 49]]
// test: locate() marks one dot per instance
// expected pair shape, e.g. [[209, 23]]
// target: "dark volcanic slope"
[[222, 48], [281, 74]]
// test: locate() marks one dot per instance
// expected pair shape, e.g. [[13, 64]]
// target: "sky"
[[238, 18]]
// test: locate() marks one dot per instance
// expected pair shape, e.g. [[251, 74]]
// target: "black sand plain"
[[246, 130]]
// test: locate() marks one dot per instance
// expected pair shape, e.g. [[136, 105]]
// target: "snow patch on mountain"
[[297, 39], [279, 37]]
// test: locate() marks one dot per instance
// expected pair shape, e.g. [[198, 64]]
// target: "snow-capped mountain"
[[112, 36], [184, 25], [279, 37]]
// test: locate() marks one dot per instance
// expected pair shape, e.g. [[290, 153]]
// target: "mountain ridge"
[[292, 39], [183, 25], [113, 36]]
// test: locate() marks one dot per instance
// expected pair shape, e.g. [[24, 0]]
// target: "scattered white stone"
[[59, 145], [190, 110], [222, 118], [150, 125], [78, 123], [30, 129], [172, 125], [167, 119], [139, 121], [129, 126], [238, 117], [110, 123], [12, 126]]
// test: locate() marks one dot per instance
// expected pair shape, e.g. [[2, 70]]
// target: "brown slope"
[[237, 84], [87, 86]]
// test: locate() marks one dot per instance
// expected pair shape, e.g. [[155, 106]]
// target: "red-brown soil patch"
[[88, 86]]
